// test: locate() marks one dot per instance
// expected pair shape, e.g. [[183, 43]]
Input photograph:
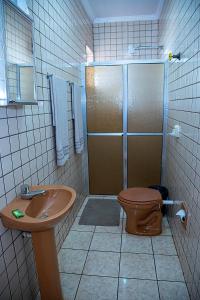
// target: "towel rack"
[[71, 83]]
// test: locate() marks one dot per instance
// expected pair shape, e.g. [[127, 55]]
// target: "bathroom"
[[67, 221]]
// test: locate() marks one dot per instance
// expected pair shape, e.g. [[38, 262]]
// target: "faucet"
[[27, 194]]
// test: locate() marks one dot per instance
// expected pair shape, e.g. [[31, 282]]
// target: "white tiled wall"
[[180, 32], [113, 40], [27, 141]]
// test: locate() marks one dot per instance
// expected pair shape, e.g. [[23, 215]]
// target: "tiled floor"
[[105, 263]]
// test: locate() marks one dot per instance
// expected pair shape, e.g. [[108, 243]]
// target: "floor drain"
[[43, 216]]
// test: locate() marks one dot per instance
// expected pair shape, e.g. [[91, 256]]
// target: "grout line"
[[18, 267], [119, 261], [111, 251], [136, 278], [155, 268], [84, 265], [6, 270]]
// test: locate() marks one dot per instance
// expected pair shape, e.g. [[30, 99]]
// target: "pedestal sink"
[[41, 214]]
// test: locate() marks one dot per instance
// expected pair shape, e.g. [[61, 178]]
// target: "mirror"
[[20, 83], [18, 56]]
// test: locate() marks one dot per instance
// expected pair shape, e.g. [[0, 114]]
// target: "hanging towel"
[[78, 118], [58, 93]]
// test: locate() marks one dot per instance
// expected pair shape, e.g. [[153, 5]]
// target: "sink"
[[41, 214]]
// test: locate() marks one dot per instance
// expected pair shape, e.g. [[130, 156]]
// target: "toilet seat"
[[140, 196]]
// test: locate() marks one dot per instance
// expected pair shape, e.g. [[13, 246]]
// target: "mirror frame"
[[4, 93]]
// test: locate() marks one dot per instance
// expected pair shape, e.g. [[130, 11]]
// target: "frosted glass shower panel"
[[104, 98]]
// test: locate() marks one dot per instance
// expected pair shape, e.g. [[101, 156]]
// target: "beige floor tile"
[[97, 288], [72, 261], [106, 242], [168, 268], [78, 240], [173, 290], [163, 245], [135, 289], [139, 266], [136, 244], [69, 283], [102, 264]]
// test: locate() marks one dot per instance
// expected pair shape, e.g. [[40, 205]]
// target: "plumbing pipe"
[[168, 202], [172, 202]]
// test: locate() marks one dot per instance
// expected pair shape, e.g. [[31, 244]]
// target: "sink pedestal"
[[47, 264]]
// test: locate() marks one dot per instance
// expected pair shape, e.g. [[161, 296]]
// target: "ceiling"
[[101, 11]]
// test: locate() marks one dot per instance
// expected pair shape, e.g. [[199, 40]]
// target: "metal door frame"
[[124, 132]]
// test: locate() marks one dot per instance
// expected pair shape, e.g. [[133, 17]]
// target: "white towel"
[[78, 118], [58, 92]]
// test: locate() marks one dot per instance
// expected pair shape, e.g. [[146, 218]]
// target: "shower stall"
[[124, 116]]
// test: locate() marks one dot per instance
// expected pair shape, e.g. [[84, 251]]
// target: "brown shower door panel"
[[145, 118], [104, 88], [144, 160], [104, 98], [145, 97], [105, 164]]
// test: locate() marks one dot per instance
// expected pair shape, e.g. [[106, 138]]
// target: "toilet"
[[143, 210]]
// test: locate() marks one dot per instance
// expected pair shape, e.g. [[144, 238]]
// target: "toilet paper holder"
[[182, 214]]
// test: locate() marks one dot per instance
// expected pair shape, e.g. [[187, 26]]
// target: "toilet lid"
[[140, 195]]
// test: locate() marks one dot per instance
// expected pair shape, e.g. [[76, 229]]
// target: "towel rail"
[[71, 83]]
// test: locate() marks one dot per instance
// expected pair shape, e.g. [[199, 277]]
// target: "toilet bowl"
[[143, 210]]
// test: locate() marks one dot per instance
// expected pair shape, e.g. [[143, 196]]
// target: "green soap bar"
[[17, 213]]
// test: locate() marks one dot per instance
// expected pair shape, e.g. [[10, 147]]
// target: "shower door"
[[105, 125], [145, 123], [124, 123]]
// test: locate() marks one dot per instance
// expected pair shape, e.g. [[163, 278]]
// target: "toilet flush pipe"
[[168, 202], [172, 202]]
